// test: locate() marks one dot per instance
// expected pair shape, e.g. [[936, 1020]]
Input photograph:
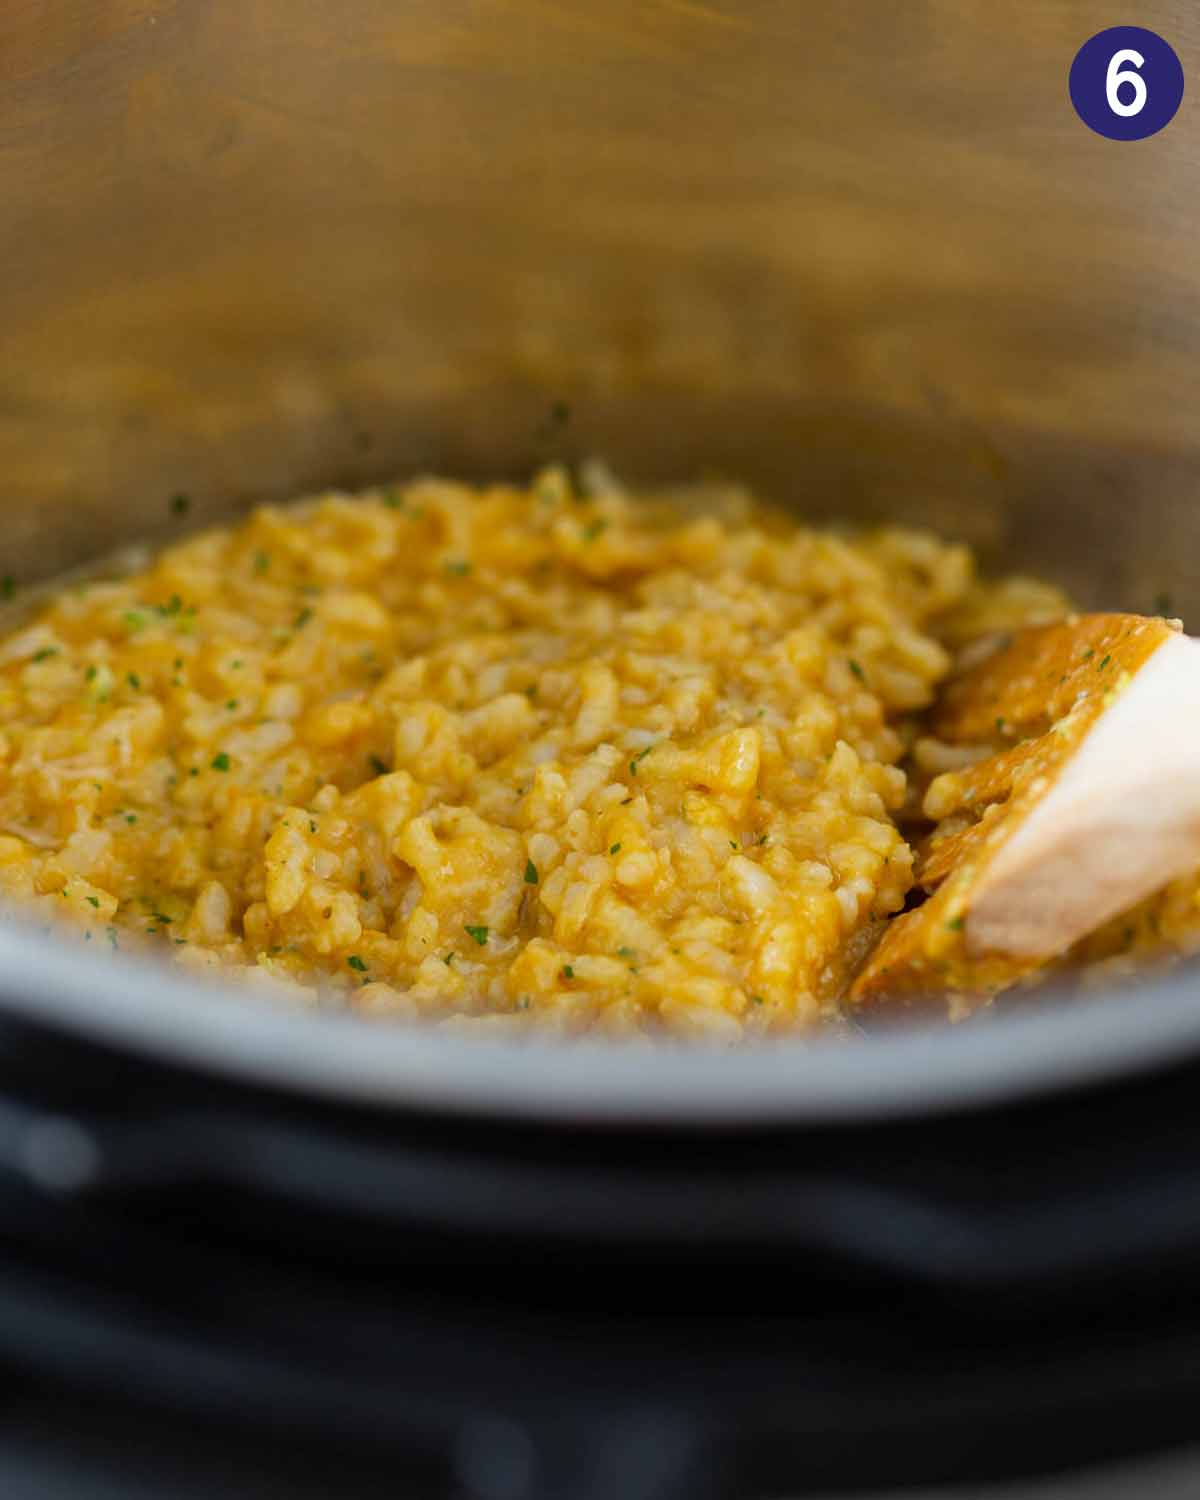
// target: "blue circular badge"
[[1126, 83]]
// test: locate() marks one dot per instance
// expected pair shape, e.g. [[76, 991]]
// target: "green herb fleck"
[[8, 587], [220, 761], [379, 766], [1000, 726], [1104, 664], [134, 621], [593, 529], [262, 561], [624, 952], [531, 874], [45, 653], [637, 759], [302, 619], [458, 569], [480, 934], [757, 1000], [568, 972], [93, 901], [614, 848], [180, 504], [357, 964], [134, 681], [857, 670], [955, 924]]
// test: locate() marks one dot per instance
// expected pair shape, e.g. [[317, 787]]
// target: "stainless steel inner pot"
[[863, 256]]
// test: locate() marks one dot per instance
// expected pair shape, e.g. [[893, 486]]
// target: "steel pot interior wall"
[[864, 256]]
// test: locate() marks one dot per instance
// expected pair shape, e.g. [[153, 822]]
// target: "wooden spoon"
[[1084, 799]]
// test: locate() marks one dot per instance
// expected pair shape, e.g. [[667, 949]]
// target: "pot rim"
[[147, 1008]]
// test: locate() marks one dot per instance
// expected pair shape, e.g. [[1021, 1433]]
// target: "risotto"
[[545, 756]]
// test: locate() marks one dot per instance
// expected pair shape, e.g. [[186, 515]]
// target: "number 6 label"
[[1126, 83]]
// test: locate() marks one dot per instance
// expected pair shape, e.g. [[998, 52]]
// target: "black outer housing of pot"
[[207, 1284]]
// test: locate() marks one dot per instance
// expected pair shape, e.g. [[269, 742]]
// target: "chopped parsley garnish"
[[93, 901], [134, 681], [955, 924], [638, 758], [614, 848], [1000, 726], [262, 561], [392, 500], [458, 569], [531, 874], [480, 934], [180, 504], [8, 587], [220, 761], [757, 1000], [624, 952], [379, 766], [302, 619], [45, 653], [232, 705], [857, 670], [1104, 664], [357, 964], [133, 620], [568, 972], [593, 529]]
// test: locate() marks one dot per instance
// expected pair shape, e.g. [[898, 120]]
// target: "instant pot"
[[866, 258]]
